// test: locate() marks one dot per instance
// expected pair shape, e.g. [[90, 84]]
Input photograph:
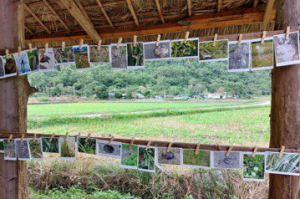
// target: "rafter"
[[77, 2], [268, 13], [219, 5], [28, 30], [160, 11], [255, 3], [104, 13], [189, 5], [129, 3], [37, 19]]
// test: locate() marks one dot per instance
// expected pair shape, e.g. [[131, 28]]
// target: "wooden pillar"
[[285, 111]]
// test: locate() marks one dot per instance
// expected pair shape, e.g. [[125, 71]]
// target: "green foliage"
[[50, 147], [254, 168], [67, 147], [135, 55], [88, 146], [289, 163], [129, 156], [181, 49], [35, 149], [207, 51], [202, 159], [146, 158]]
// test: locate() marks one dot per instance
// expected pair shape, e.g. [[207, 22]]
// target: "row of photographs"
[[249, 55], [140, 158]]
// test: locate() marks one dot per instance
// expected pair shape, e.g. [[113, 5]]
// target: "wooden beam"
[[37, 19], [255, 3], [104, 13], [219, 5], [28, 30], [85, 23], [268, 13], [160, 11], [130, 7], [81, 8], [189, 5], [55, 13]]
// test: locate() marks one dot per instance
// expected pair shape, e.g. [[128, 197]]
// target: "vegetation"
[[288, 163], [201, 159], [99, 56], [254, 167], [67, 147], [35, 149], [88, 146], [209, 52], [135, 55], [146, 158], [262, 54], [181, 49], [129, 156], [50, 146]]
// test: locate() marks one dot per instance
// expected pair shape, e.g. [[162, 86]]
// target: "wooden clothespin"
[[169, 147], [99, 45], [110, 140], [215, 39], [287, 34], [148, 144], [240, 40], [22, 137], [80, 43], [134, 40], [19, 51], [186, 36], [87, 137], [263, 37], [63, 46], [197, 149], [131, 143], [30, 47], [229, 151], [119, 42], [46, 47], [158, 40], [281, 152], [51, 138], [34, 138], [67, 135], [254, 152], [6, 52], [9, 138]]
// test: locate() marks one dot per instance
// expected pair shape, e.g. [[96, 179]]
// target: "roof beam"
[[55, 13], [37, 19], [255, 3], [219, 5], [160, 11], [189, 4], [268, 13], [84, 22], [104, 13], [129, 3], [28, 30]]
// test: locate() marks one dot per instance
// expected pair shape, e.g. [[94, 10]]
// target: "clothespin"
[[34, 137], [87, 137], [99, 45], [22, 137], [131, 143], [46, 47], [9, 138], [158, 40], [80, 43], [215, 39], [134, 40], [30, 47], [110, 140], [6, 52], [254, 151], [119, 42], [67, 135], [263, 37], [240, 40], [186, 36], [63, 45], [19, 51], [169, 147], [197, 149], [229, 151], [287, 34], [281, 152], [148, 144], [51, 138]]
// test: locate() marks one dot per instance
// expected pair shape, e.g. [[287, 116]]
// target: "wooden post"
[[14, 92], [285, 111]]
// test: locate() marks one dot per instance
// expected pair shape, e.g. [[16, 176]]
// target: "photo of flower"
[[50, 146], [113, 150], [230, 162], [201, 160], [173, 157], [99, 56], [9, 150], [129, 158], [36, 148], [23, 150], [33, 59], [239, 56], [147, 159], [253, 167], [67, 147], [135, 56], [88, 146], [81, 57], [208, 52], [179, 49]]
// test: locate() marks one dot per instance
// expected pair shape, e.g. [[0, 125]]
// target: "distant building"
[[221, 95], [111, 95]]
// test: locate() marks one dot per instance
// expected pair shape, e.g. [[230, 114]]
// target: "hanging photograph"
[[33, 58], [222, 162], [23, 150], [10, 67], [119, 57], [9, 150], [65, 56], [22, 63], [35, 147], [2, 73], [179, 49], [146, 159], [262, 55], [82, 57], [208, 52], [287, 51], [113, 150], [239, 56], [201, 160], [47, 61], [135, 58], [289, 164], [50, 146], [67, 148], [99, 56], [1, 146], [87, 146], [129, 157], [153, 52], [253, 167], [173, 157]]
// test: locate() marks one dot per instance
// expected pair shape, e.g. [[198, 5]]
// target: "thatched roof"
[[57, 20]]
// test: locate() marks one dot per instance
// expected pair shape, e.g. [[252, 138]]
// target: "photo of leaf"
[[146, 159], [153, 52], [129, 158], [10, 66], [239, 56], [9, 150], [88, 146], [81, 57], [36, 148], [222, 162], [50, 147], [208, 52], [2, 73], [67, 147], [173, 157], [119, 57], [289, 164], [202, 159], [1, 146], [47, 61], [181, 49], [253, 167], [135, 58], [101, 56], [23, 150], [22, 63], [262, 55], [113, 150], [64, 56], [33, 58]]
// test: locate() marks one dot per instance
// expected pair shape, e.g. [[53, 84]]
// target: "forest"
[[185, 77]]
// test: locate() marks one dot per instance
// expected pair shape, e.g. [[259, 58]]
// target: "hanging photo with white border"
[[113, 150], [262, 55], [160, 52], [209, 53], [182, 50], [253, 167], [239, 56]]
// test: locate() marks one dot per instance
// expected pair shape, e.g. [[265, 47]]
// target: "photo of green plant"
[[50, 147], [1, 146], [33, 58], [208, 52], [129, 158], [64, 56], [262, 55], [81, 57], [202, 159], [67, 147], [135, 55], [36, 149], [172, 157], [253, 167], [9, 150], [23, 150], [99, 56], [181, 49], [146, 159], [288, 164], [113, 150], [88, 146]]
